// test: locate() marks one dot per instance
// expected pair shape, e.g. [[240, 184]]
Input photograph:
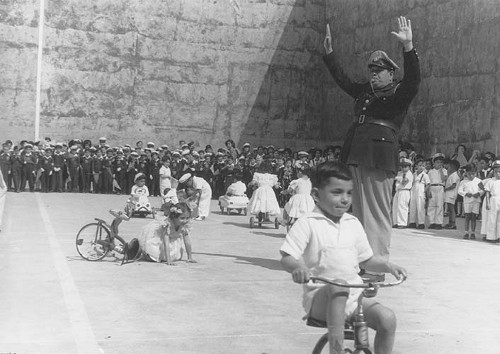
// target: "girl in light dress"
[[165, 240], [301, 201], [263, 202]]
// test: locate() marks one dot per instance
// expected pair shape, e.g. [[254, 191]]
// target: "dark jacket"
[[372, 139]]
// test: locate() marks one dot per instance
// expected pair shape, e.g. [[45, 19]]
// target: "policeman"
[[371, 145]]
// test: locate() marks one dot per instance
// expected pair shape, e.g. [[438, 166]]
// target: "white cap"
[[185, 177]]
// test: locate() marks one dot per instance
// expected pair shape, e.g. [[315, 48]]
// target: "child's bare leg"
[[383, 321], [467, 222], [473, 218], [329, 305]]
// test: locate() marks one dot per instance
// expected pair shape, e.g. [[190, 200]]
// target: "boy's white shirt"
[[435, 176], [493, 187], [141, 191], [421, 178], [314, 233], [399, 180], [165, 172], [452, 178], [472, 187]]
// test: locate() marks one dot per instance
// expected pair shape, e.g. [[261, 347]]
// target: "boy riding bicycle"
[[330, 243]]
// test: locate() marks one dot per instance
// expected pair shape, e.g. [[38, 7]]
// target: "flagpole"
[[41, 22]]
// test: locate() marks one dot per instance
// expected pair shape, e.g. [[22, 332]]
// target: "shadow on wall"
[[289, 107]]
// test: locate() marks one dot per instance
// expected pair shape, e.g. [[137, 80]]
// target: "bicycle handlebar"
[[363, 286]]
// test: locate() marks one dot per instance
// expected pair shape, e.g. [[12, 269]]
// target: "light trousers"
[[400, 207], [417, 208], [371, 204], [435, 207]]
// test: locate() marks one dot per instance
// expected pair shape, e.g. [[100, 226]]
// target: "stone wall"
[[18, 50], [165, 70]]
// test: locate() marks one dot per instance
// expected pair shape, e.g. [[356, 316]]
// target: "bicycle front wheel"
[[322, 347], [93, 242], [318, 348]]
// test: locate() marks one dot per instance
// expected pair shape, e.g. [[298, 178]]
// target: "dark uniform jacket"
[[372, 139], [46, 162]]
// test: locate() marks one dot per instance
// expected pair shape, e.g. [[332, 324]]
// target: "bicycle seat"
[[119, 214], [100, 220]]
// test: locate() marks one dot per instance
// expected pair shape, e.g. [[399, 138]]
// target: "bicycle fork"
[[360, 327]]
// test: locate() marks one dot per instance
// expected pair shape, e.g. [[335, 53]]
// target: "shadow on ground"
[[271, 264]]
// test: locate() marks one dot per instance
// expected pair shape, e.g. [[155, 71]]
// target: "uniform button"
[[383, 99], [367, 101], [364, 108]]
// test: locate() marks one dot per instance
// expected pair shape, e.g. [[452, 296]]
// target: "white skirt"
[[264, 201], [299, 204]]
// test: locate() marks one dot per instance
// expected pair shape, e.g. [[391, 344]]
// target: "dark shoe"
[[472, 237], [421, 226], [394, 226], [401, 227], [466, 236], [432, 226], [450, 227], [412, 226], [484, 238], [438, 227]]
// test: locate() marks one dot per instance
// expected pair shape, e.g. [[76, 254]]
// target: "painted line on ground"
[[80, 324]]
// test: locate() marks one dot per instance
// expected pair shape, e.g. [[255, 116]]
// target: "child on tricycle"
[[138, 202], [330, 243]]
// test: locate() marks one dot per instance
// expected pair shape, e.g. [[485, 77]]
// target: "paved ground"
[[235, 300]]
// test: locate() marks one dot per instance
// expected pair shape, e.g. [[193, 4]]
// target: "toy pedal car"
[[139, 206], [233, 202]]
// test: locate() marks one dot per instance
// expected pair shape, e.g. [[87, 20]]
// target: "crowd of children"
[[452, 187], [425, 188]]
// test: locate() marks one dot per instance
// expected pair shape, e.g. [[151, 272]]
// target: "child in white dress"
[[163, 240], [264, 202], [301, 201]]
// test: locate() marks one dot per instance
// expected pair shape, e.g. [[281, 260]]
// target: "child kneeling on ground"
[[330, 243], [162, 240]]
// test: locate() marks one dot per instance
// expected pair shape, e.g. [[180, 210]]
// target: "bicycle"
[[357, 330], [95, 240]]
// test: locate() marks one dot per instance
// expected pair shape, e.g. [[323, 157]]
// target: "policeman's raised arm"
[[411, 80], [404, 33], [350, 87]]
